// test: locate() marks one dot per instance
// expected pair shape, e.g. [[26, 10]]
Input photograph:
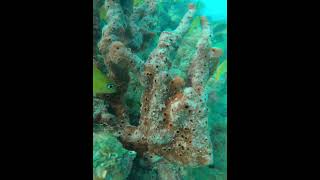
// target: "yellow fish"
[[103, 13], [222, 68], [102, 84]]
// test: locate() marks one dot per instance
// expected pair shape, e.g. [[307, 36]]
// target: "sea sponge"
[[173, 121], [176, 85]]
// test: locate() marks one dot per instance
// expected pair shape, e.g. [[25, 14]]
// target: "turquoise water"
[[215, 9], [166, 116]]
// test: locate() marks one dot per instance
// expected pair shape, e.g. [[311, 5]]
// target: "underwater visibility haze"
[[159, 89]]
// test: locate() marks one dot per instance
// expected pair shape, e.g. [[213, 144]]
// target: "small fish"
[[103, 13], [101, 83], [217, 52], [222, 68], [216, 55]]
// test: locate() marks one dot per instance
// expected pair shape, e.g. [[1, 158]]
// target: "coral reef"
[[160, 107]]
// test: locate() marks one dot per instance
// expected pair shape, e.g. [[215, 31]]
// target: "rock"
[[110, 159]]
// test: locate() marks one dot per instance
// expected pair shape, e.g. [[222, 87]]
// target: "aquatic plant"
[[172, 126]]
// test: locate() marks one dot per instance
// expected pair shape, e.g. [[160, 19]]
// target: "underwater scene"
[[159, 89]]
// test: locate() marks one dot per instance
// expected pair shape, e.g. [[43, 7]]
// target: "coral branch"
[[186, 21], [159, 60], [201, 68], [173, 127], [142, 22], [187, 119], [123, 57], [115, 29], [157, 80]]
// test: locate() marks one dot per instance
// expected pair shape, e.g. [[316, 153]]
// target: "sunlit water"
[[215, 9]]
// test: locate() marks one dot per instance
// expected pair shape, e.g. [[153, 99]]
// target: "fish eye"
[[110, 86]]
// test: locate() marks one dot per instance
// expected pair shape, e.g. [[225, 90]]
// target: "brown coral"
[[177, 83], [173, 116]]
